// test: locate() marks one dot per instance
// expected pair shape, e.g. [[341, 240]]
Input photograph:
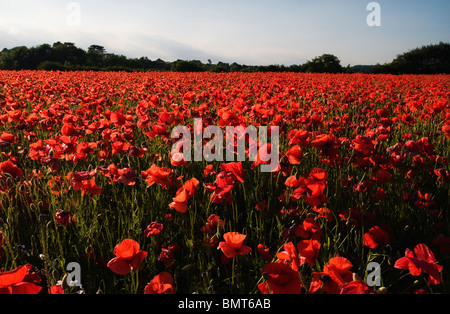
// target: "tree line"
[[67, 57]]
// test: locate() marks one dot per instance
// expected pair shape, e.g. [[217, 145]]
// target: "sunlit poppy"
[[128, 258], [421, 259], [233, 245], [294, 155], [162, 283], [12, 282]]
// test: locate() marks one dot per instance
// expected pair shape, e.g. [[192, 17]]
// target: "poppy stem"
[[232, 271]]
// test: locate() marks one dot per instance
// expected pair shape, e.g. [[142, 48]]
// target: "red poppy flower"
[[56, 289], [356, 287], [118, 119], [375, 236], [7, 139], [294, 155], [157, 130], [264, 252], [177, 159], [382, 176], [364, 145], [15, 115], [62, 217], [209, 170], [424, 200], [421, 260], [233, 245], [161, 284], [280, 279], [68, 130], [309, 249], [333, 277], [236, 170], [290, 254], [183, 195], [84, 181], [128, 257], [446, 129], [212, 224], [221, 190], [8, 167], [159, 175], [299, 137], [309, 229], [13, 281], [153, 229], [443, 175]]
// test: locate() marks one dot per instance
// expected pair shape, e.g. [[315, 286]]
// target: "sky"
[[250, 32]]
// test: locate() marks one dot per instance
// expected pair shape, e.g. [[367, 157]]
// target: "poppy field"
[[87, 176]]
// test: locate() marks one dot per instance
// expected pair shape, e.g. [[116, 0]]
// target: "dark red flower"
[[153, 229], [280, 279], [8, 167], [375, 236], [421, 260], [62, 217]]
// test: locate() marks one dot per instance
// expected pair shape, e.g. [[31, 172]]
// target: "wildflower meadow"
[[98, 196]]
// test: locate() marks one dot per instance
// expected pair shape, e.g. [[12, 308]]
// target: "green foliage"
[[326, 63], [431, 59]]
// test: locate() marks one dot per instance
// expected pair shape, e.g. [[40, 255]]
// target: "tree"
[[431, 59], [187, 66], [326, 63], [96, 56], [97, 48]]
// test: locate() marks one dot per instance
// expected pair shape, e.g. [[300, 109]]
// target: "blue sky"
[[248, 32]]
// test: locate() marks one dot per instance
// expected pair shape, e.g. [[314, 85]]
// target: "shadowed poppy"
[[153, 229], [280, 279], [375, 236], [264, 252]]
